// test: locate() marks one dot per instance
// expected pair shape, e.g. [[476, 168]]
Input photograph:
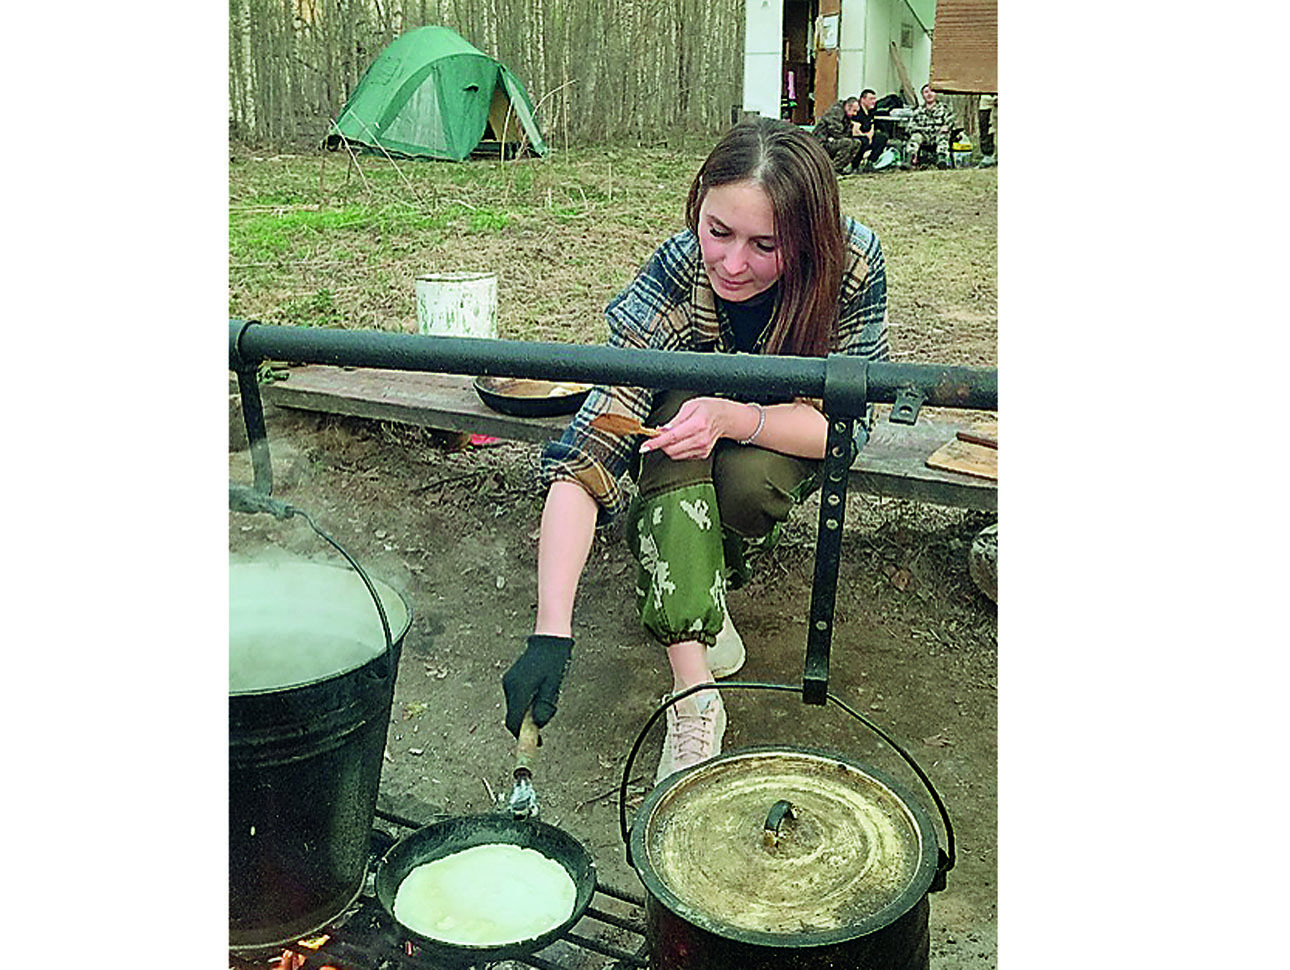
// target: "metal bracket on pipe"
[[828, 546], [248, 386], [845, 393], [908, 401]]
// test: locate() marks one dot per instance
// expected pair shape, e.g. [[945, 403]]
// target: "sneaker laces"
[[692, 733]]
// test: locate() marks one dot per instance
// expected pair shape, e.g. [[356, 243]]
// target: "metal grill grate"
[[365, 938]]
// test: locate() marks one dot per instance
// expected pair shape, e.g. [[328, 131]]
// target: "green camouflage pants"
[[695, 524], [916, 140], [845, 152]]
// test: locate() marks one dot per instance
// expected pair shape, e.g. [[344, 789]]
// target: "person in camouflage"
[[933, 123], [839, 131]]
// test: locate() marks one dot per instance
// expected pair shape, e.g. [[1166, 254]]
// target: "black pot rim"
[[918, 887], [438, 839]]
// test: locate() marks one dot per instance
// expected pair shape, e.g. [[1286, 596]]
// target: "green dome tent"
[[430, 93]]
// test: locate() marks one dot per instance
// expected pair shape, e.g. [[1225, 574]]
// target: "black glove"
[[535, 679]]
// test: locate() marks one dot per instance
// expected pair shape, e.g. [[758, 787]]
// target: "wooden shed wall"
[[965, 46]]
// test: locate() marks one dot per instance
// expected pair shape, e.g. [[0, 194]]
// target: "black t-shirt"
[[747, 327], [865, 119], [747, 321]]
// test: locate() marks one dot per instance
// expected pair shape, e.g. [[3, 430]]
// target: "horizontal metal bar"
[[618, 953], [944, 385], [621, 894], [613, 919]]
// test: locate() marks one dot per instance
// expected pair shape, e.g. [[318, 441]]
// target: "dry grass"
[[324, 240]]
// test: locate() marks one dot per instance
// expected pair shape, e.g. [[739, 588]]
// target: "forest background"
[[596, 70]]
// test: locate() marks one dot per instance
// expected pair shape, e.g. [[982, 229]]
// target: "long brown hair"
[[792, 168]]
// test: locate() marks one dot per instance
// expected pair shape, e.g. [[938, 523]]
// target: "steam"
[[294, 622]]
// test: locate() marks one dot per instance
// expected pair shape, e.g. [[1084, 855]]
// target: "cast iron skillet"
[[451, 835], [528, 398]]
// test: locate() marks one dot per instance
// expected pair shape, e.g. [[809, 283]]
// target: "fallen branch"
[[605, 794]]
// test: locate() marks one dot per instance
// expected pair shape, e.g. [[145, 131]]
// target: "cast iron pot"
[[787, 858], [311, 684], [452, 835]]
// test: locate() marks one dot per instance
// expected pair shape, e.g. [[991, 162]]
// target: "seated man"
[[872, 140], [932, 124], [838, 130]]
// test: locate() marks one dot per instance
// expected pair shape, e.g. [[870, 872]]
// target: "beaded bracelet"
[[761, 421]]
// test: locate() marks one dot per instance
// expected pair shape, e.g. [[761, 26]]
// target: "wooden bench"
[[894, 463]]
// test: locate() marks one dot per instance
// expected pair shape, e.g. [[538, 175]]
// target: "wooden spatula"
[[989, 439], [621, 424]]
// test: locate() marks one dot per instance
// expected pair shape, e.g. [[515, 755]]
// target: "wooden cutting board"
[[967, 457]]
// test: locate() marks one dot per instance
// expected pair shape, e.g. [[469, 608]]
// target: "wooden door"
[[826, 64]]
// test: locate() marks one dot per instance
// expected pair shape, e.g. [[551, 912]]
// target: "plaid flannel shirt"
[[671, 306]]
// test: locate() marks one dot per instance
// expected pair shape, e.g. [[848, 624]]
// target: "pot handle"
[[945, 857], [242, 498], [781, 810]]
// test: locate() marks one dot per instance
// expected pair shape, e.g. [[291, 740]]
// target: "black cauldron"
[[312, 663]]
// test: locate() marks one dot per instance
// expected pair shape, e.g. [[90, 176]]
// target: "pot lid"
[[850, 854]]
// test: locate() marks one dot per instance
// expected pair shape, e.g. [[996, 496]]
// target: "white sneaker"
[[726, 655], [694, 733]]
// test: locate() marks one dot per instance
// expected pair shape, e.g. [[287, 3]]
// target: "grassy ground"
[[323, 240]]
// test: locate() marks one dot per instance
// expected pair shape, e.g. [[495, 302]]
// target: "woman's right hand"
[[699, 425], [534, 680]]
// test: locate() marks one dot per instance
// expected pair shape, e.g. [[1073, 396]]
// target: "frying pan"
[[529, 398], [453, 835]]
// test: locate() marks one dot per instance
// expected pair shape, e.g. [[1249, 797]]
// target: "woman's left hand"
[[697, 427]]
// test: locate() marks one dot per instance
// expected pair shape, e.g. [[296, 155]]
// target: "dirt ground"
[[455, 531]]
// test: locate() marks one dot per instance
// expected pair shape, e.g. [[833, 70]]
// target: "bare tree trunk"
[[240, 80], [640, 69]]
